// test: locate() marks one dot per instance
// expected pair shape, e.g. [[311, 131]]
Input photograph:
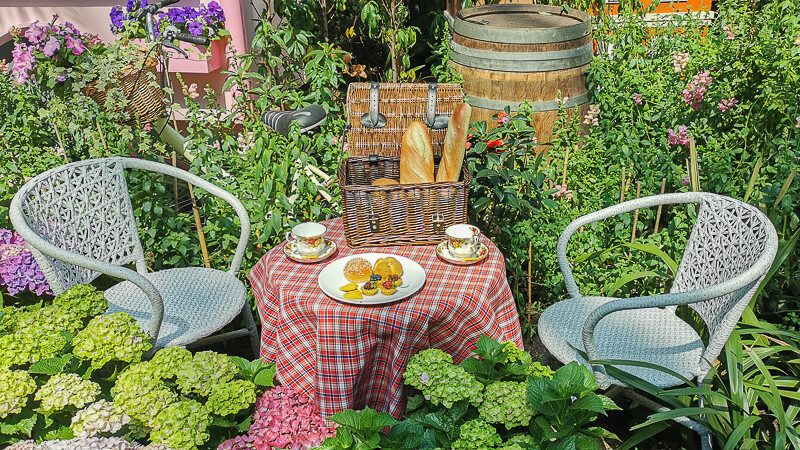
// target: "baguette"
[[455, 143], [416, 155]]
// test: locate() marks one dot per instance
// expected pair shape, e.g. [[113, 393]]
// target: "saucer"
[[290, 250], [443, 252]]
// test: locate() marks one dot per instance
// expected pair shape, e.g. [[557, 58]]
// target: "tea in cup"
[[462, 240], [309, 238]]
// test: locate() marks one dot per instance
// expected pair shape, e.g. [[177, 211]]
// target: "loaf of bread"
[[455, 143], [416, 155], [384, 182]]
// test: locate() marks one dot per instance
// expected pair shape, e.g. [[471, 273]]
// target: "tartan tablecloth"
[[352, 356]]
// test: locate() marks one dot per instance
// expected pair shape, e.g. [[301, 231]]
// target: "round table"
[[351, 356]]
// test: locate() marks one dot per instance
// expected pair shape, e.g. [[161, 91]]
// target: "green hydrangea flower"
[[204, 371], [231, 397], [48, 318], [432, 372], [113, 337], [506, 402], [181, 425], [477, 435], [519, 442], [15, 387], [536, 369], [65, 389], [28, 346], [513, 353], [140, 394], [101, 417], [8, 318], [167, 361], [82, 300]]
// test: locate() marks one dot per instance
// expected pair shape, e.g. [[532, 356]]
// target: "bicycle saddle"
[[309, 118]]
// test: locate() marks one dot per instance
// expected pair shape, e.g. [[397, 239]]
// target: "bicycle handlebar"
[[199, 40], [153, 8]]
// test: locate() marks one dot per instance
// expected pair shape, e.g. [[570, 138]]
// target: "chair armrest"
[[209, 187], [41, 245], [611, 211]]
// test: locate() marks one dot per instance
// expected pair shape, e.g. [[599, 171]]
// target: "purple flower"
[[23, 62], [196, 28], [76, 45], [60, 75], [117, 16], [51, 47], [679, 138], [637, 98], [686, 181], [18, 269], [35, 34]]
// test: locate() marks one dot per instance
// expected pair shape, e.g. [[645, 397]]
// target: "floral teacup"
[[462, 240], [309, 238]]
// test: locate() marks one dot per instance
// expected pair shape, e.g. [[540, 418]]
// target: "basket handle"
[[433, 120], [374, 119]]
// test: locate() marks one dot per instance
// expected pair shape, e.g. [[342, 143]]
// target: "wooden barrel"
[[512, 53]]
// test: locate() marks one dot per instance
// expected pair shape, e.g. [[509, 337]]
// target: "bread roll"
[[455, 143], [388, 266], [357, 270], [383, 182], [416, 155]]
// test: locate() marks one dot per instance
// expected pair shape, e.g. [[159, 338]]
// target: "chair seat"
[[197, 302], [652, 335]]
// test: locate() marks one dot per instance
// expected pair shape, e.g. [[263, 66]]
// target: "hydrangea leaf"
[[243, 365], [50, 366], [266, 376], [490, 350], [24, 423]]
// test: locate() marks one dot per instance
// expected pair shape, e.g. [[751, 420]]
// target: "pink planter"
[[201, 59]]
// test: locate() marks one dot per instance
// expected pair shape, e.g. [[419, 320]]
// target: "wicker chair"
[[729, 251], [79, 223]]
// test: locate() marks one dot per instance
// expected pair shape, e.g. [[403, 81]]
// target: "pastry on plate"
[[357, 270], [353, 295], [370, 288], [387, 288], [388, 266]]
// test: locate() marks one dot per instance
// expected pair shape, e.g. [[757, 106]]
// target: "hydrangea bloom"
[[65, 389], [519, 442], [167, 361], [506, 402], [204, 371], [29, 346], [15, 387], [116, 336], [476, 434], [181, 425], [92, 443], [98, 418], [140, 394], [284, 418], [18, 269], [432, 372], [82, 300], [231, 397]]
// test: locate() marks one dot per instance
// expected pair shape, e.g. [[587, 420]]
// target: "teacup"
[[462, 240], [309, 238]]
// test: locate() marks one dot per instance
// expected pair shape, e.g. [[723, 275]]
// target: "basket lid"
[[397, 106]]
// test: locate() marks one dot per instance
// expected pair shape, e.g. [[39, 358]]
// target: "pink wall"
[[92, 16]]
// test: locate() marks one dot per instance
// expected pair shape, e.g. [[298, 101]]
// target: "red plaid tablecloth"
[[349, 356]]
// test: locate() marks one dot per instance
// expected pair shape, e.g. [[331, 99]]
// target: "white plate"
[[290, 250], [444, 253], [331, 278]]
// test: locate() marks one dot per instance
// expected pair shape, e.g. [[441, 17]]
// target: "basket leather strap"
[[374, 119], [433, 120]]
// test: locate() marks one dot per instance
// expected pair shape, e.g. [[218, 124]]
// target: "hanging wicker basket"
[[145, 101]]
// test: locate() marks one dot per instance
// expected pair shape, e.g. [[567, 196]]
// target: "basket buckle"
[[374, 223], [438, 223]]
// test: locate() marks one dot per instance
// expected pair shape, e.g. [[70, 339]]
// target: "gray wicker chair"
[[730, 249], [79, 223]]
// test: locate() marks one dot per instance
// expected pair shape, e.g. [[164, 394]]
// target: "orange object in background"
[[666, 7]]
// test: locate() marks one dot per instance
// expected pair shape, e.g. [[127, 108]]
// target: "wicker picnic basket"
[[399, 214], [145, 101]]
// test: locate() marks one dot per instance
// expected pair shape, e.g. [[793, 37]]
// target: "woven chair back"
[[728, 237], [83, 207]]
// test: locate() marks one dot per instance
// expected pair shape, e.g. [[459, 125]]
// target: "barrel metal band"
[[466, 26], [500, 105], [521, 61]]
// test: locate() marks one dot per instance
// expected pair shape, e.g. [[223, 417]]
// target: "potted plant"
[[205, 21]]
